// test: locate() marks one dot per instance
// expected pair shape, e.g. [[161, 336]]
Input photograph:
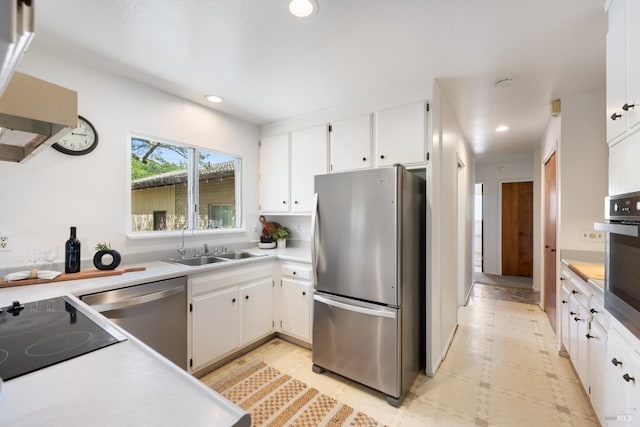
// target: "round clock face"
[[81, 140]]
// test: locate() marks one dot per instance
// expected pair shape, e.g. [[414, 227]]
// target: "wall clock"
[[81, 140]]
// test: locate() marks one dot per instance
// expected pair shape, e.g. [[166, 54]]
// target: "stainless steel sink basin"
[[199, 260], [238, 255]]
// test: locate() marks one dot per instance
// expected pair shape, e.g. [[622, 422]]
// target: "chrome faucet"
[[206, 249], [181, 250]]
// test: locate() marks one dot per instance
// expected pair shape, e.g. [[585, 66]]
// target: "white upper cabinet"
[[401, 135], [623, 69], [308, 159], [351, 143], [274, 174], [288, 165]]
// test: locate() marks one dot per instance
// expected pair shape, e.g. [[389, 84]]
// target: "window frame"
[[193, 183]]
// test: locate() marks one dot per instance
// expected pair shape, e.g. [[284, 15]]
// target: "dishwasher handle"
[[125, 302]]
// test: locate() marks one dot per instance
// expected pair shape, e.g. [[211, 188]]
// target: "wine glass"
[[34, 255], [50, 255]]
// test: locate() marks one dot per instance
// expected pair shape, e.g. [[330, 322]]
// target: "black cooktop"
[[38, 334]]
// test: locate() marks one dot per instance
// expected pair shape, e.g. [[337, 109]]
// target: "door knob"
[[616, 362], [589, 336], [577, 319], [233, 301], [626, 107], [615, 116], [593, 311], [627, 378], [573, 313]]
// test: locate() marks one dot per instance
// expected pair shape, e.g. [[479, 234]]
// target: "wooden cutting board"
[[588, 271], [84, 274]]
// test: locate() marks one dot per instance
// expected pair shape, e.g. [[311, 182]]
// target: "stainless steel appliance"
[[368, 258], [155, 313], [622, 259], [39, 334]]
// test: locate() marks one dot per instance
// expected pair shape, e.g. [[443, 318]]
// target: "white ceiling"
[[271, 66]]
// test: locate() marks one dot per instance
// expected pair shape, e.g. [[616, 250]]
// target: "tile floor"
[[502, 370]]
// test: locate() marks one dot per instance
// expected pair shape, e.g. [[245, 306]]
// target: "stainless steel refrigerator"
[[367, 249]]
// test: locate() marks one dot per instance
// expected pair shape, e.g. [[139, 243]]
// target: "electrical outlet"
[[592, 236], [5, 242]]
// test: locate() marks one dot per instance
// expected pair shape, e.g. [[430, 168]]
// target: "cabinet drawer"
[[297, 271]]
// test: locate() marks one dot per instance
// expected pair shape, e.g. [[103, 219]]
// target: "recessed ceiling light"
[[302, 8], [502, 128], [214, 98]]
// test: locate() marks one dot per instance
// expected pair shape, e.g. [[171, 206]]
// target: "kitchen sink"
[[199, 260], [211, 259], [238, 255]]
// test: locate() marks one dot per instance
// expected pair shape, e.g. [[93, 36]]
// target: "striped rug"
[[276, 399]]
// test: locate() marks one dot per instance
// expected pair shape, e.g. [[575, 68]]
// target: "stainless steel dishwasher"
[[155, 313]]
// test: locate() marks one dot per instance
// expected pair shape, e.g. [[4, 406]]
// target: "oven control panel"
[[624, 207]]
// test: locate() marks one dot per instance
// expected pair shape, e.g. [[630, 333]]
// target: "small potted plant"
[[105, 249], [280, 236]]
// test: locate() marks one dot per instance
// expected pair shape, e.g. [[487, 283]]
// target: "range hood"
[[33, 115]]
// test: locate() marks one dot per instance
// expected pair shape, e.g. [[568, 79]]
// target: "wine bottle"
[[72, 253]]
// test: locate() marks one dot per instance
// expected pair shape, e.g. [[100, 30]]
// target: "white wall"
[[444, 179], [53, 191], [578, 138], [583, 169], [493, 176]]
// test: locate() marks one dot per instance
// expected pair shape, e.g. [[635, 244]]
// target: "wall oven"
[[622, 259]]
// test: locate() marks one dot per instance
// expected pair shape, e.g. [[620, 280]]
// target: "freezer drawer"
[[358, 340]]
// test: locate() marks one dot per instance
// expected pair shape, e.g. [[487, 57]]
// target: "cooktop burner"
[[42, 333]]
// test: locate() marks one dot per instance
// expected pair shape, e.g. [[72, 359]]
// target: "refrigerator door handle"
[[314, 234], [379, 312]]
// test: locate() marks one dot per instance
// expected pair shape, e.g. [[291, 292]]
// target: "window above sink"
[[174, 185]]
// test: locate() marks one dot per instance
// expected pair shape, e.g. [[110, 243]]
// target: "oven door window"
[[624, 268]]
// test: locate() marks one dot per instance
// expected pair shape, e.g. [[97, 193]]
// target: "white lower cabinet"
[[229, 308], [584, 336], [597, 358], [256, 314], [214, 326], [622, 382], [296, 300]]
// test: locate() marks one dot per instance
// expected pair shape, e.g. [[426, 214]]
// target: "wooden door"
[[550, 214], [517, 229]]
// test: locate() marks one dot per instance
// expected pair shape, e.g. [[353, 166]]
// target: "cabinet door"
[[214, 326], [633, 63], [296, 309], [256, 310], [582, 365], [573, 330], [616, 69], [565, 318], [351, 144], [274, 174], [597, 358], [400, 135], [633, 383], [308, 159], [616, 390]]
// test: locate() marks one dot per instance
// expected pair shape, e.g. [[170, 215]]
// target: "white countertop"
[[125, 384]]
